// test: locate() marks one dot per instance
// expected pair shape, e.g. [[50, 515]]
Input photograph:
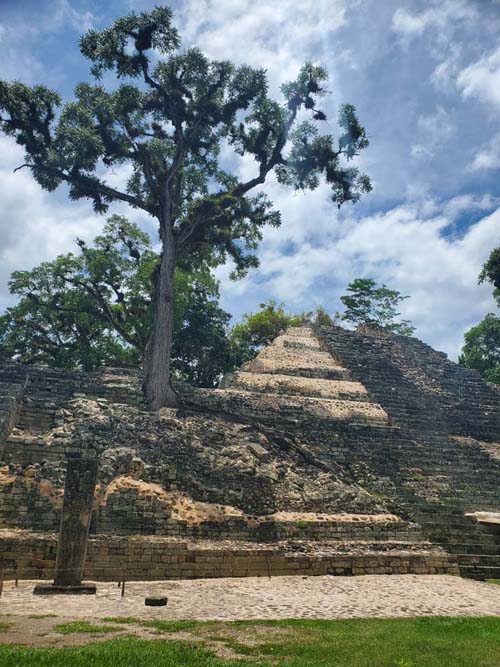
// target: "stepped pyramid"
[[424, 431], [332, 451], [293, 380]]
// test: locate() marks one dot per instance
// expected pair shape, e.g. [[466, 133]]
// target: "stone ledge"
[[148, 558]]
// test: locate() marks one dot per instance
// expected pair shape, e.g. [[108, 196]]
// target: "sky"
[[425, 79]]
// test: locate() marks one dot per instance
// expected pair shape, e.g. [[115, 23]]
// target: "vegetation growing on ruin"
[[256, 330], [369, 305]]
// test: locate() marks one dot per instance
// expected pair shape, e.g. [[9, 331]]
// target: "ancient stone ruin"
[[332, 452]]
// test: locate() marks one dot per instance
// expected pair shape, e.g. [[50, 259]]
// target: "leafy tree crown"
[[374, 307], [92, 308], [167, 120]]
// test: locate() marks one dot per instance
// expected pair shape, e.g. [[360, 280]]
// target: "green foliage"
[[84, 627], [491, 272], [85, 310], [374, 307], [482, 348], [93, 309], [202, 351], [321, 318], [258, 329], [169, 128]]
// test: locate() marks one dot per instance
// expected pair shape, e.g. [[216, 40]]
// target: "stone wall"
[[11, 395], [142, 558], [47, 389]]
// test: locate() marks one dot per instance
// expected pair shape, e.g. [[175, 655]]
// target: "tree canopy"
[[166, 116], [375, 307], [92, 308], [481, 348], [256, 330]]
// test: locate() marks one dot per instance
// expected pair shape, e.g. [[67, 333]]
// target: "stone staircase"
[[415, 435], [439, 457], [292, 381], [42, 391], [298, 387]]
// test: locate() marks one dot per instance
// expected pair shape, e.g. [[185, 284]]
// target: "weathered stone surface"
[[294, 385], [60, 589], [142, 558], [79, 488], [332, 438]]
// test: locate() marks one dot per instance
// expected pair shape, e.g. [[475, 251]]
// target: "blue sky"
[[425, 78]]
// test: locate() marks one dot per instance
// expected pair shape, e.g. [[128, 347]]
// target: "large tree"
[[166, 119], [92, 308], [376, 307]]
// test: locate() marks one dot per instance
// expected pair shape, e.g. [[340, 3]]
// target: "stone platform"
[[137, 558]]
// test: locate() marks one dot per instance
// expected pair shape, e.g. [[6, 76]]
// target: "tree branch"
[[97, 185]]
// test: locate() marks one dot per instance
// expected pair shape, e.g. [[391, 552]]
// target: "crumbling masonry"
[[332, 452]]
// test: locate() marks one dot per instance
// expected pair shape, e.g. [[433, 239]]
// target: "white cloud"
[[445, 73], [435, 130], [408, 247], [488, 157], [482, 79], [35, 225], [439, 16], [278, 36], [418, 246], [63, 15]]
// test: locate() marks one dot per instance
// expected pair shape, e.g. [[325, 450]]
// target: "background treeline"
[[92, 308]]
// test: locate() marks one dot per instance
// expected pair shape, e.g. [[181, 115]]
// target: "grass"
[[43, 616], [413, 642], [83, 626], [493, 581], [172, 626], [167, 627], [4, 627], [123, 652]]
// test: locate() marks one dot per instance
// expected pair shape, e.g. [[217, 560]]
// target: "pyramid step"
[[266, 407], [275, 383], [472, 549], [480, 573]]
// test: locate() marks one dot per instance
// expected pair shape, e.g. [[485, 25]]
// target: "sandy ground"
[[31, 619]]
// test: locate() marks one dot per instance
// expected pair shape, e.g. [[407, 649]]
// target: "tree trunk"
[[157, 385]]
